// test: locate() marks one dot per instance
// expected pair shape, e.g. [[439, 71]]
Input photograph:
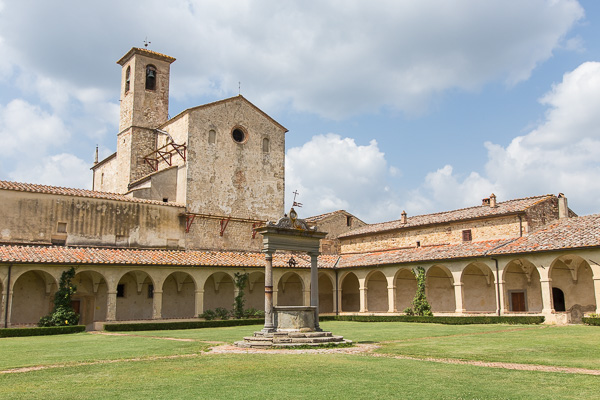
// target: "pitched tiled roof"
[[503, 208], [415, 254], [35, 188], [317, 218], [91, 255], [567, 233]]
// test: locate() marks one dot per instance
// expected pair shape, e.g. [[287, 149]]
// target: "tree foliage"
[[420, 305], [240, 280], [63, 313]]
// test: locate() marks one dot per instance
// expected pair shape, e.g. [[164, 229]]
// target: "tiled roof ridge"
[[321, 216], [541, 197], [65, 191], [371, 228]]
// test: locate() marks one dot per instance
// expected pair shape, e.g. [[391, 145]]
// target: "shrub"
[[240, 280], [254, 313], [208, 315], [52, 330], [591, 320], [409, 311], [420, 305], [157, 326], [222, 313], [444, 320], [63, 313]]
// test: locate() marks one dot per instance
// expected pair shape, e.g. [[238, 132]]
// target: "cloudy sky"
[[391, 105]]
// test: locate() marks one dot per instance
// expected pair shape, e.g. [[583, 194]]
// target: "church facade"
[[173, 216]]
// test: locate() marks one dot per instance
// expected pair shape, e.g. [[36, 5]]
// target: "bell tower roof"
[[144, 52]]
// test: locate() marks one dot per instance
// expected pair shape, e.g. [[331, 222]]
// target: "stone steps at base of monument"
[[291, 334], [268, 345], [329, 339]]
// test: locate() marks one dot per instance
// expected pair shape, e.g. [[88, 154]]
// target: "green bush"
[[51, 330], [591, 321], [158, 326], [222, 313], [442, 320], [254, 313], [63, 313], [208, 315]]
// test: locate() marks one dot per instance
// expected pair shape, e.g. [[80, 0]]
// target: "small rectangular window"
[[62, 227], [121, 290], [418, 243], [150, 291], [348, 220], [466, 235]]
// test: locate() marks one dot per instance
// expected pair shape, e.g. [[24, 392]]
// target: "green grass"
[[566, 346], [260, 376], [85, 347], [248, 376]]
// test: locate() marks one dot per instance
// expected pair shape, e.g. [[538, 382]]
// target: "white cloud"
[[559, 155], [333, 58], [62, 169], [332, 173]]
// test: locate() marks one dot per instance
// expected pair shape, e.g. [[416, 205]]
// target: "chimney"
[[96, 157], [403, 218], [492, 200], [485, 202], [563, 208]]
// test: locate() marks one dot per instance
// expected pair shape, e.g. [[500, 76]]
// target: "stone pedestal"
[[295, 319]]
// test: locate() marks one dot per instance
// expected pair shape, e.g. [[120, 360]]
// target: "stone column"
[[458, 298], [546, 296], [269, 327], [157, 304], [596, 292], [314, 287], [502, 298], [363, 298], [199, 301], [339, 299], [3, 308], [111, 305], [391, 299]]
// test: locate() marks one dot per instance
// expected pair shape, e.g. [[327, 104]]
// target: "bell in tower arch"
[[150, 77]]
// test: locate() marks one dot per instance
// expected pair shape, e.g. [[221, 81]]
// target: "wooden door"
[[518, 301]]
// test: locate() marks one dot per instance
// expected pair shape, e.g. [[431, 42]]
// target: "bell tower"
[[144, 107]]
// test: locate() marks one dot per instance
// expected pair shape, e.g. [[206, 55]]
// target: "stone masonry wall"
[[71, 220], [488, 229]]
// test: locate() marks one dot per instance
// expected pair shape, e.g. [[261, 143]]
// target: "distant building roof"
[[483, 211], [320, 217], [35, 188], [93, 255]]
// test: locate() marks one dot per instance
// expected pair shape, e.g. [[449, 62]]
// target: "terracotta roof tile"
[[568, 233], [91, 255], [502, 208], [35, 188], [416, 254]]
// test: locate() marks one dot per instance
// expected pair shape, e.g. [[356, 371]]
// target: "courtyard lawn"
[[139, 369], [85, 347], [565, 346], [323, 376]]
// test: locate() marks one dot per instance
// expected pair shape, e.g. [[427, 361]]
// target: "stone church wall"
[[71, 220]]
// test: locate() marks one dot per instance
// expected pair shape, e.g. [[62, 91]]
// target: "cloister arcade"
[[548, 284]]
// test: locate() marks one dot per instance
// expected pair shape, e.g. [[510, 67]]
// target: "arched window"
[[212, 136], [127, 79], [150, 77], [265, 145]]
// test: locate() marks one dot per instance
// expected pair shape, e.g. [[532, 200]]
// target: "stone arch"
[[406, 288], [135, 296], [32, 297], [377, 293], [290, 290], [91, 296], [326, 299], [219, 291], [440, 289], [573, 276], [178, 296], [479, 292], [350, 293], [522, 285], [255, 290]]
